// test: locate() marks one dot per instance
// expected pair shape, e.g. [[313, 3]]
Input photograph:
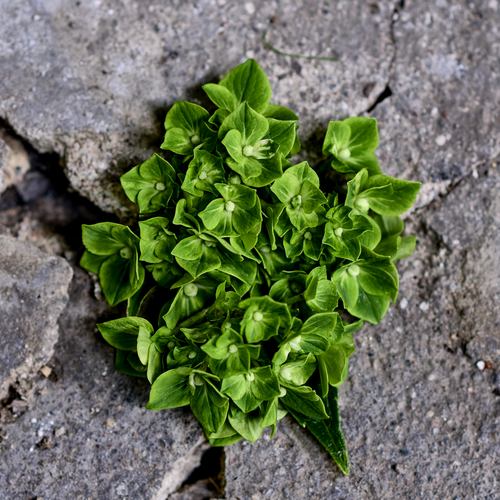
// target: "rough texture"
[[86, 433], [93, 80], [33, 293], [14, 161]]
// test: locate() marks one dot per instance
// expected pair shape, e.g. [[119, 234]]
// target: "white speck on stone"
[[250, 8], [34, 420], [429, 414], [493, 4], [404, 303], [250, 54], [121, 490], [424, 306], [111, 12], [455, 242], [32, 43], [60, 432], [110, 423], [431, 377], [481, 365], [440, 140], [32, 449], [40, 432], [434, 112]]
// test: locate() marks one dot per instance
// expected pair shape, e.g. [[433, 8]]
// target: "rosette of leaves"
[[244, 281]]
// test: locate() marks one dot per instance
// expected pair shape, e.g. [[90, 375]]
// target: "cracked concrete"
[[92, 82]]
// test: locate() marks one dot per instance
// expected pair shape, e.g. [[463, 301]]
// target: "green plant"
[[240, 284]]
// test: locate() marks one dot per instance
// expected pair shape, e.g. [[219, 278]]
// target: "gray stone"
[[33, 293], [85, 433], [92, 80], [442, 120], [14, 161], [201, 490], [469, 227]]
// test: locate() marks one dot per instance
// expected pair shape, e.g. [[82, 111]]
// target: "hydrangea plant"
[[244, 279]]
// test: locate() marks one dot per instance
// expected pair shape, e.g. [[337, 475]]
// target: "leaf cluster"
[[252, 269]]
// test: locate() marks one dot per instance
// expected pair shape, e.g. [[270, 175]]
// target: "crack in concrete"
[[387, 92]]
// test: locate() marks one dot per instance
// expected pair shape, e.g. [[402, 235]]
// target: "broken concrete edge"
[[22, 377], [174, 478]]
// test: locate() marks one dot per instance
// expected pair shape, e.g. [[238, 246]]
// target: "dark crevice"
[[46, 195], [387, 92], [210, 471]]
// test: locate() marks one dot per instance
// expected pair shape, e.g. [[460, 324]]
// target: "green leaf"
[[221, 96], [154, 364], [326, 298], [406, 247], [143, 344], [352, 143], [298, 189], [299, 371], [123, 365], [157, 242], [371, 308], [395, 201], [225, 437], [151, 184], [120, 273], [205, 170], [279, 113], [364, 135], [282, 133], [210, 415], [99, 239], [248, 82], [328, 431], [190, 299], [170, 390], [248, 427], [265, 384], [251, 126], [347, 285], [263, 318], [236, 214], [185, 126], [121, 278], [122, 333], [92, 262], [336, 138], [304, 400]]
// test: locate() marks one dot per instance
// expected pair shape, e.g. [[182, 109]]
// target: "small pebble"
[[440, 140], [481, 365], [404, 303], [250, 8], [46, 371], [424, 306], [60, 432], [110, 423]]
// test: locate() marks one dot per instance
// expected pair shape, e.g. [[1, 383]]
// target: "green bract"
[[241, 271]]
